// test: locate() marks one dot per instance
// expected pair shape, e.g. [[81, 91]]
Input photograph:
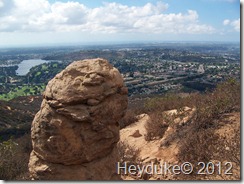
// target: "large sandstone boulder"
[[74, 134]]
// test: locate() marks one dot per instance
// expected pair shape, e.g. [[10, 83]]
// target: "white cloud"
[[226, 22], [235, 24], [40, 15]]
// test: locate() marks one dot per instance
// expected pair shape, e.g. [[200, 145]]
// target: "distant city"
[[148, 69]]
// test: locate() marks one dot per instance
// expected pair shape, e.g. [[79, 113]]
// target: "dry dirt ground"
[[154, 152]]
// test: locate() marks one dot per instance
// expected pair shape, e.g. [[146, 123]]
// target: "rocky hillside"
[[168, 149], [200, 130], [16, 116]]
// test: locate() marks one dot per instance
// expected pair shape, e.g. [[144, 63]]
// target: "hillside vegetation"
[[197, 138], [194, 128]]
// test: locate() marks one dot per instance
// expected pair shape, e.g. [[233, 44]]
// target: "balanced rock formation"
[[74, 135]]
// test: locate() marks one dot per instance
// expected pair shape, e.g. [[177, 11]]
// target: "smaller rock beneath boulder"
[[136, 134]]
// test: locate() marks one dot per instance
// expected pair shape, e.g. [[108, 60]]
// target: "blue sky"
[[36, 22]]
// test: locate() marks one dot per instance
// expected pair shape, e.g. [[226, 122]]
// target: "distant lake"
[[26, 65]]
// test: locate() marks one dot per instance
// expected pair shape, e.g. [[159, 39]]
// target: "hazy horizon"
[[90, 44]]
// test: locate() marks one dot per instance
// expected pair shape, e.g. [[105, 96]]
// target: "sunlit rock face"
[[74, 134]]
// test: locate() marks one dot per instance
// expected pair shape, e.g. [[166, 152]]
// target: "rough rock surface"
[[74, 134]]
